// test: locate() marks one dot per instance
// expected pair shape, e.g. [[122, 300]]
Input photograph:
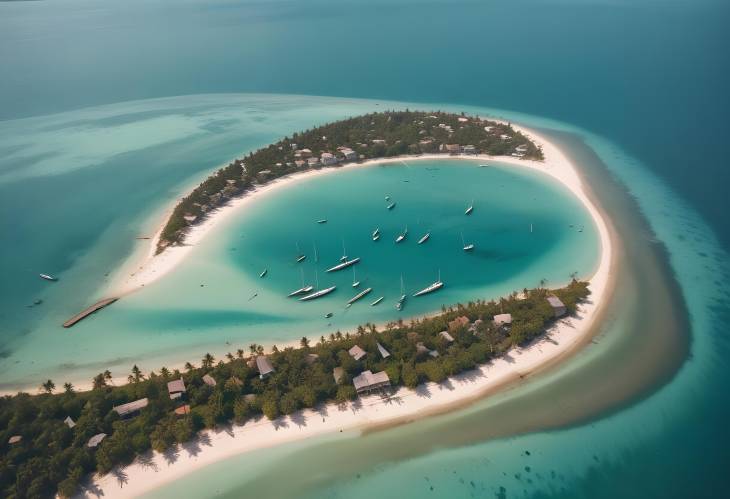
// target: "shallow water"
[[216, 300]]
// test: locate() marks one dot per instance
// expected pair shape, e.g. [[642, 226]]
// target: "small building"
[[502, 320], [15, 439], [176, 388], [183, 410], [367, 381], [379, 142], [558, 307], [445, 335], [95, 440], [521, 148], [504, 136], [459, 322], [190, 218], [383, 352], [313, 161], [421, 349], [348, 153], [131, 408], [356, 352], [470, 149], [475, 326], [69, 422], [338, 373], [453, 148], [328, 159], [263, 364], [300, 163], [305, 153], [462, 119], [209, 380], [488, 128]]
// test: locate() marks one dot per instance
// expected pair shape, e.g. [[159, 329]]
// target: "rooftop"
[[131, 407], [368, 381], [96, 440], [356, 352], [263, 364], [176, 386], [209, 380]]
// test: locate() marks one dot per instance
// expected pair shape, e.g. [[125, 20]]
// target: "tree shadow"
[[91, 488], [147, 461], [120, 476], [298, 418], [280, 423], [322, 410], [422, 390], [172, 454], [447, 384]]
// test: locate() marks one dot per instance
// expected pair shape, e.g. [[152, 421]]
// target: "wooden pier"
[[87, 312]]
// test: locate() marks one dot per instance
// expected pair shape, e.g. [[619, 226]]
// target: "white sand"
[[562, 339]]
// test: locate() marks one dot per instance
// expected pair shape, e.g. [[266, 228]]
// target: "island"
[[369, 137], [52, 441]]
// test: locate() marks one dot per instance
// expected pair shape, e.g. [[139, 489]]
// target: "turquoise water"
[[643, 83], [215, 301]]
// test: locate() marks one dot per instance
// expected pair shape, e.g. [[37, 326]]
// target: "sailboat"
[[425, 237], [322, 221], [344, 252], [402, 299], [391, 205], [264, 272], [355, 282], [48, 277], [359, 295], [343, 265], [377, 301], [431, 288], [470, 208], [316, 257], [376, 234], [467, 247], [304, 289], [319, 293], [402, 236], [300, 256]]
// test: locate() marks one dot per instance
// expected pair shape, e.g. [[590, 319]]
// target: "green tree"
[[48, 386]]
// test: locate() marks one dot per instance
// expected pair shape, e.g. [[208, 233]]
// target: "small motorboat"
[[264, 272], [48, 277]]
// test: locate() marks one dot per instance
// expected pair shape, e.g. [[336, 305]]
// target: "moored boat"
[[425, 238], [48, 277], [322, 221], [264, 272], [377, 301], [402, 236], [359, 295], [343, 265], [391, 206], [466, 247], [470, 208], [318, 294], [431, 288]]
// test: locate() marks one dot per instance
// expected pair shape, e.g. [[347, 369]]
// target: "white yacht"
[[264, 272], [391, 205], [470, 208], [359, 295], [343, 265], [425, 238], [402, 299], [355, 282], [48, 277], [304, 289], [377, 301], [318, 294], [431, 288], [467, 247], [402, 236]]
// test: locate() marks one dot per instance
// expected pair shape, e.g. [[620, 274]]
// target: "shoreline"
[[369, 413]]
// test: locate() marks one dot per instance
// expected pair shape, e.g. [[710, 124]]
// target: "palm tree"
[[239, 353], [68, 387], [164, 372], [260, 349], [304, 342], [99, 381], [137, 375], [230, 357], [543, 281], [189, 367], [207, 361], [48, 386], [107, 376], [253, 348]]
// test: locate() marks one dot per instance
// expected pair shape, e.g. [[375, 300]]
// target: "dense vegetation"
[[53, 458], [371, 136]]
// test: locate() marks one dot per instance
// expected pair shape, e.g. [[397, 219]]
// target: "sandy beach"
[[563, 339]]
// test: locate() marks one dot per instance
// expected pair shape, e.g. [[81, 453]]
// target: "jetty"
[[88, 311]]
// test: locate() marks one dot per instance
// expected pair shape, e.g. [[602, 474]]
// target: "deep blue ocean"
[[645, 82]]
